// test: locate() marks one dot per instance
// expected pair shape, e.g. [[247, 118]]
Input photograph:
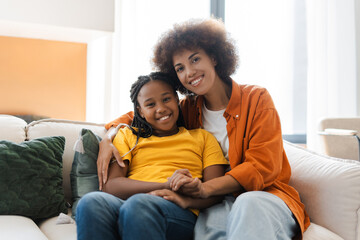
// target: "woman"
[[245, 122]]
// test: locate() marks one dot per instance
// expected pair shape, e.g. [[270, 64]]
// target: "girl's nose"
[[161, 108]]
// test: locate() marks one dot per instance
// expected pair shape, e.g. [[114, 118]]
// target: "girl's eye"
[[179, 69], [167, 99], [150, 105]]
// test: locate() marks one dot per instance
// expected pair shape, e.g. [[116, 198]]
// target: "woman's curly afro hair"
[[207, 34]]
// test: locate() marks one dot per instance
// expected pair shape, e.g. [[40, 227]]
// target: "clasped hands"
[[181, 188]]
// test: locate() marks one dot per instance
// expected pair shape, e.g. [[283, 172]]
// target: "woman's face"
[[196, 70], [159, 106]]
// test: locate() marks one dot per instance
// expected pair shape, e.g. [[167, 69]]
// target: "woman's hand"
[[179, 178], [106, 152], [195, 189], [172, 196]]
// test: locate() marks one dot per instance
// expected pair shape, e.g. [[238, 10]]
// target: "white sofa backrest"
[[70, 130], [12, 128], [329, 188]]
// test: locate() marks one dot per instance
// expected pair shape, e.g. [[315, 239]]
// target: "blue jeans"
[[251, 216], [101, 215]]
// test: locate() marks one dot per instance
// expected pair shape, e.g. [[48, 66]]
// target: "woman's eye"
[[195, 59]]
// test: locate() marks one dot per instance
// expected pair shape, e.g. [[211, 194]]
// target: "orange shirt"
[[256, 154]]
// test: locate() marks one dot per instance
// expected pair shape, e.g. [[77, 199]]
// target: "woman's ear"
[[213, 60]]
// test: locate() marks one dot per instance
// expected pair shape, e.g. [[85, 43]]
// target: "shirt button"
[[237, 116]]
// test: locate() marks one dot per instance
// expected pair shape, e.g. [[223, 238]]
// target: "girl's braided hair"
[[144, 129]]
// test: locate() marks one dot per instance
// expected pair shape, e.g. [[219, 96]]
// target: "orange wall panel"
[[42, 77]]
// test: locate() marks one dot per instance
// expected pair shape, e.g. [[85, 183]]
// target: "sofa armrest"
[[329, 188], [316, 232]]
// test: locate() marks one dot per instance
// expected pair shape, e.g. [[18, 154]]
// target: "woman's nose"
[[190, 71]]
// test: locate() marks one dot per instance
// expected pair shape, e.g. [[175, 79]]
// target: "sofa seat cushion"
[[55, 231], [18, 227]]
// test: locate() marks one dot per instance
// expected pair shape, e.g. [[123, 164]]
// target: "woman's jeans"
[[252, 215], [142, 216]]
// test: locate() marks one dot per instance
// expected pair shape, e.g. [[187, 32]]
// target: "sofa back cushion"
[[12, 128], [70, 130], [329, 188]]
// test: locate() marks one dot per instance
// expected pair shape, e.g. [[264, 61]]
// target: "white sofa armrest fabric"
[[316, 232], [70, 130], [329, 188], [12, 128], [19, 228]]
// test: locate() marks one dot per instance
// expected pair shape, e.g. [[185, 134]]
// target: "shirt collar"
[[233, 107]]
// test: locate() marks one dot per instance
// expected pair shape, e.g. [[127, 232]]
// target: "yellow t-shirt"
[[154, 159]]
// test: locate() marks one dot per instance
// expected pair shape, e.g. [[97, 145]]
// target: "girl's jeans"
[[103, 216]]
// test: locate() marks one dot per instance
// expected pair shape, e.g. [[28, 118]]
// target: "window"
[[271, 39]]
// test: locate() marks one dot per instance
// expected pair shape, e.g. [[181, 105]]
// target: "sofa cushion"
[[12, 128], [31, 178], [329, 188], [55, 231], [70, 130], [83, 174]]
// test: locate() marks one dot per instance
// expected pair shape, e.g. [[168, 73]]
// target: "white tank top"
[[215, 123]]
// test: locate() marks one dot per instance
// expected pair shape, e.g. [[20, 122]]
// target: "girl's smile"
[[158, 104]]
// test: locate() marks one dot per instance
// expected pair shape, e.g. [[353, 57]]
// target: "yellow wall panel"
[[41, 77]]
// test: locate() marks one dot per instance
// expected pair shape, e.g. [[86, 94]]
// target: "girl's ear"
[[139, 111]]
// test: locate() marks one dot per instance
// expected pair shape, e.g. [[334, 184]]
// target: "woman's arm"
[[209, 173], [106, 152], [121, 186]]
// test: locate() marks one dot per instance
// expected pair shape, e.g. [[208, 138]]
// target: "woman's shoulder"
[[251, 96]]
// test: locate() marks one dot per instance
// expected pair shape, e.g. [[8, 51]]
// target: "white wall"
[[357, 25], [84, 14], [85, 21]]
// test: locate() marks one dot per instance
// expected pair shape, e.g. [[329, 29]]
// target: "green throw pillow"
[[83, 174], [31, 178]]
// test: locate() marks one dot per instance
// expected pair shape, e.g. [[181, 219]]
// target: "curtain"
[[331, 63]]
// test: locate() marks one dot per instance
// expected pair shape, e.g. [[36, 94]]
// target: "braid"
[[144, 128]]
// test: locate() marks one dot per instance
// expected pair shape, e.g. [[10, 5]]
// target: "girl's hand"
[[174, 197], [179, 178]]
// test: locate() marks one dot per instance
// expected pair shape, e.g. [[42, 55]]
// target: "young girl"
[[154, 148], [243, 118]]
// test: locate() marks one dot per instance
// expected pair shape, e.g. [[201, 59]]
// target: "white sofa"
[[329, 187]]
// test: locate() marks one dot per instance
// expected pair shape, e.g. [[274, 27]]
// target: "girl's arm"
[[121, 186]]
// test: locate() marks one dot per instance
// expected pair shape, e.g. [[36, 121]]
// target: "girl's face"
[[158, 104], [195, 70]]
